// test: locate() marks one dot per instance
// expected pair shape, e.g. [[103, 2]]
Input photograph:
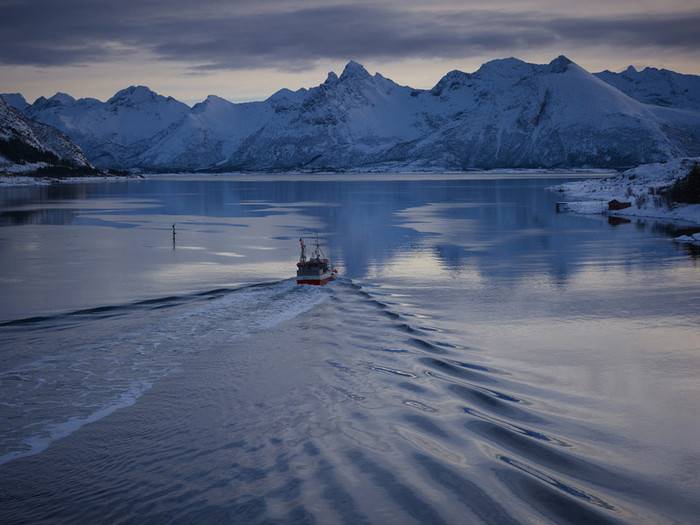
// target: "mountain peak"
[[332, 78], [354, 70], [452, 80], [560, 64], [16, 100], [134, 94], [503, 67], [210, 103], [631, 70], [212, 99], [63, 98]]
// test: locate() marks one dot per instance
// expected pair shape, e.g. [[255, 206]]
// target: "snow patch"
[[508, 114], [641, 186], [688, 239]]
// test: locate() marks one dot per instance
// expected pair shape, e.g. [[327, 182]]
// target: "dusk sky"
[[247, 50]]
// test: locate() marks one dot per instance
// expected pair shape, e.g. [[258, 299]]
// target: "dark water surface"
[[481, 360]]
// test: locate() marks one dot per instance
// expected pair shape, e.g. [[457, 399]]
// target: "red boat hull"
[[316, 282]]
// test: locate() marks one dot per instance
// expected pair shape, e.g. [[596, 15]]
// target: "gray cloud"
[[216, 35]]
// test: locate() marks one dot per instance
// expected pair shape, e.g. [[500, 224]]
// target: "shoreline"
[[10, 179], [47, 180], [642, 187]]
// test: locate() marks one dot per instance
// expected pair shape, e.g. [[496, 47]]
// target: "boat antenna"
[[302, 257], [319, 252]]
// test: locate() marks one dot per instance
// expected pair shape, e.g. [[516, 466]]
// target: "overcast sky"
[[247, 49]]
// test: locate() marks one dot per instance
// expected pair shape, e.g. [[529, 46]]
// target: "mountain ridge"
[[28, 145], [657, 86], [507, 114]]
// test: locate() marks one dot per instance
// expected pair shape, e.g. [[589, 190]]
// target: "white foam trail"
[[104, 353], [39, 442], [289, 310]]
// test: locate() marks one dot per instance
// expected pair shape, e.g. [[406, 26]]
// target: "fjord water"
[[482, 359]]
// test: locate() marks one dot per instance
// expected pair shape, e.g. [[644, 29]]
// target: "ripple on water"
[[301, 416]]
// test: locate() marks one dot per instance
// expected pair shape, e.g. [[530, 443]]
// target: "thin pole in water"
[[173, 236]]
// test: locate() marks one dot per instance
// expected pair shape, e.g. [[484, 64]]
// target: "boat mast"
[[302, 257]]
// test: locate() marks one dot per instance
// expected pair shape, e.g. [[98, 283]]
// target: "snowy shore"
[[641, 186], [19, 175], [24, 180], [26, 175]]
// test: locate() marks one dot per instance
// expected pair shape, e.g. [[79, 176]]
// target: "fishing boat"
[[316, 269]]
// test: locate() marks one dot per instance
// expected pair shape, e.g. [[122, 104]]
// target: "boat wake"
[[61, 372], [370, 411], [503, 450]]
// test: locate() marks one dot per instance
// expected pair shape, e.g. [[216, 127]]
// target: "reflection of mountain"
[[510, 232], [17, 204], [505, 230]]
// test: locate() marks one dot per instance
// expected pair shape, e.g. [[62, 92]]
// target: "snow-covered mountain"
[[659, 87], [111, 133], [508, 114], [27, 142], [16, 100], [207, 134]]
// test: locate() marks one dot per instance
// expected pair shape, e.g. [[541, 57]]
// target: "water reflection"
[[520, 364], [503, 229]]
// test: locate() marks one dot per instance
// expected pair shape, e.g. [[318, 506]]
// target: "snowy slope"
[[659, 87], [640, 186], [513, 114], [23, 141], [348, 121], [350, 117], [111, 133], [508, 114], [16, 100], [206, 135]]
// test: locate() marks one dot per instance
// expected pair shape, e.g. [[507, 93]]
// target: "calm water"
[[481, 360]]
